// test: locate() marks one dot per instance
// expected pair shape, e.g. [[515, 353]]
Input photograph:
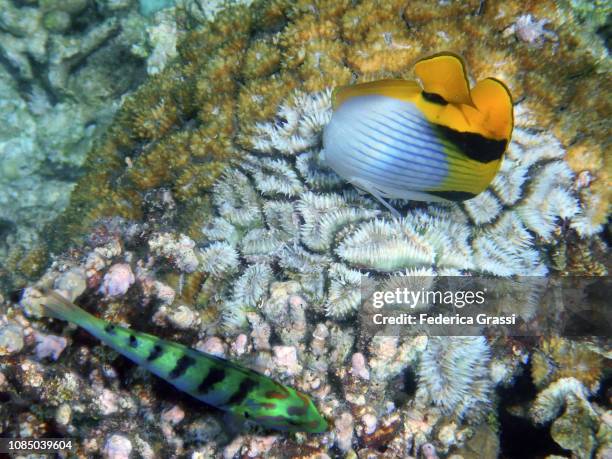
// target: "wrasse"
[[434, 141], [244, 393]]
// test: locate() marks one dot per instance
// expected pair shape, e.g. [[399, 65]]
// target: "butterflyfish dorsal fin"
[[397, 89], [444, 75], [493, 100]]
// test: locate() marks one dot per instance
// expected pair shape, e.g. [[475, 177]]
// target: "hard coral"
[[181, 128], [453, 374], [65, 66], [558, 358]]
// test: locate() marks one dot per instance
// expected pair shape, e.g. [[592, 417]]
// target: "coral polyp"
[[453, 374]]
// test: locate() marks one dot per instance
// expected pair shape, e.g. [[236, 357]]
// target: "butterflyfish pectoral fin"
[[444, 75], [371, 189], [492, 98], [397, 89]]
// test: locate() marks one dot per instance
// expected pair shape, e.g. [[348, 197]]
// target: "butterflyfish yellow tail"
[[444, 75], [492, 98], [398, 89]]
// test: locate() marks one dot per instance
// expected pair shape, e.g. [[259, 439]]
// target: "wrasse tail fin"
[[58, 307]]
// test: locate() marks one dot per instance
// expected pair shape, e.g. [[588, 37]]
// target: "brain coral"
[[180, 130], [281, 206]]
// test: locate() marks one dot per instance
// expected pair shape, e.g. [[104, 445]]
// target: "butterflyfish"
[[242, 392], [434, 139]]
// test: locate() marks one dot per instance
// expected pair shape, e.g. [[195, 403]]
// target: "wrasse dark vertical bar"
[[182, 365], [155, 353], [213, 377], [246, 386]]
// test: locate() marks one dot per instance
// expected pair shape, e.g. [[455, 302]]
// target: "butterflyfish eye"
[[434, 98]]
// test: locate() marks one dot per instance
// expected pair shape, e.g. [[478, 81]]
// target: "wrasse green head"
[[282, 408]]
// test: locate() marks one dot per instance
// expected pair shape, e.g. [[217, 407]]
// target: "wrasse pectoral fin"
[[444, 74]]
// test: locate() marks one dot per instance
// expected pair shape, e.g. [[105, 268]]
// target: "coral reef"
[[372, 409], [583, 427], [558, 358], [197, 110], [117, 280], [506, 231], [242, 244], [201, 11]]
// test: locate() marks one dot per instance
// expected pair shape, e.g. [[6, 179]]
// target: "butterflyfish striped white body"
[[434, 141]]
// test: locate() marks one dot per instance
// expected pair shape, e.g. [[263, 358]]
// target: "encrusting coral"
[[561, 358], [583, 426], [232, 131]]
